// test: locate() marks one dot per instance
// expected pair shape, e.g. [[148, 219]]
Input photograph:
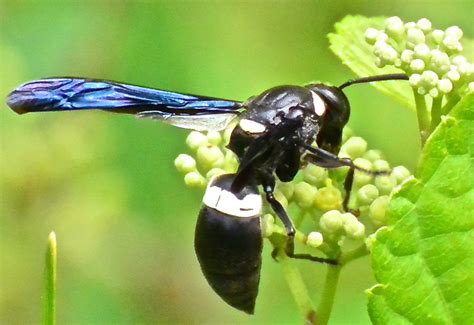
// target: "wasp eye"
[[318, 104]]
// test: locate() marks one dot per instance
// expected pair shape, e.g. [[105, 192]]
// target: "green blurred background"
[[106, 183]]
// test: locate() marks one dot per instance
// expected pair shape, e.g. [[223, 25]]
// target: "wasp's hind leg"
[[268, 188]]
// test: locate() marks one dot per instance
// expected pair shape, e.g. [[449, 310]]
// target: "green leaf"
[[349, 44], [424, 261]]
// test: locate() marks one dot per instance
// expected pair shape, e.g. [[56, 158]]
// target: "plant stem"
[[49, 312], [328, 294], [297, 288], [423, 116], [436, 112], [354, 254], [453, 99]]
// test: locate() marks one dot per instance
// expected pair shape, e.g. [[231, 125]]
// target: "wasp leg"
[[326, 159], [290, 229], [348, 182]]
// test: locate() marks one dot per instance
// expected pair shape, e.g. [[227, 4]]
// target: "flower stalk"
[[328, 295], [49, 297]]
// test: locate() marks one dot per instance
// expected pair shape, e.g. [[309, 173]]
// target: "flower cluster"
[[431, 57], [314, 198]]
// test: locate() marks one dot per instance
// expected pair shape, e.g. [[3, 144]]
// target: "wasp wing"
[[204, 122], [71, 94]]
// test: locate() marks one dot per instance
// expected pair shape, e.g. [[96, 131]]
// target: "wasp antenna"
[[384, 77]]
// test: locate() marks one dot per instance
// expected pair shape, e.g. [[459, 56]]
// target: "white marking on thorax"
[[319, 104], [226, 202], [252, 126]]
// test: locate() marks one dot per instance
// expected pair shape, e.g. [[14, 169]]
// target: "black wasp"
[[274, 135]]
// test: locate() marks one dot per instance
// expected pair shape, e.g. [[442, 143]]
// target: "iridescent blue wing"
[[71, 94]]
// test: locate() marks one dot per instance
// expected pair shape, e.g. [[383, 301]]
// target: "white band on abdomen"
[[226, 202]]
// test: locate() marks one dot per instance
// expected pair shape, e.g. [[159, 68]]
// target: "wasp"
[[274, 135]]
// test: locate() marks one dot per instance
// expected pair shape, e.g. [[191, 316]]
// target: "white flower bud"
[[407, 56], [347, 133], [341, 241], [328, 198], [230, 161], [437, 36], [400, 173], [371, 35], [361, 178], [382, 36], [454, 31], [315, 175], [394, 21], [363, 163], [348, 218], [377, 210], [415, 36], [421, 91], [464, 69], [424, 24], [354, 230], [379, 48], [331, 221], [304, 194], [379, 63], [417, 65], [194, 179], [429, 79], [287, 189], [314, 239], [458, 59], [214, 172], [410, 24], [389, 54], [267, 225], [195, 140], [367, 194], [415, 80], [214, 137], [210, 156], [185, 163], [385, 184], [395, 27], [439, 61], [453, 74], [452, 43], [352, 226], [445, 86], [369, 242], [381, 165], [269, 218], [422, 51], [355, 147], [373, 155], [434, 92]]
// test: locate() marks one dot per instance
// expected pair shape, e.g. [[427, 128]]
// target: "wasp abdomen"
[[228, 242]]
